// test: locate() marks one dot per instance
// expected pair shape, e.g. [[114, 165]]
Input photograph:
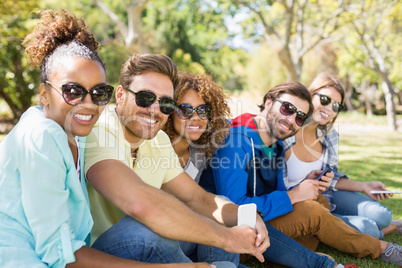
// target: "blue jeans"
[[361, 212], [286, 251], [132, 240]]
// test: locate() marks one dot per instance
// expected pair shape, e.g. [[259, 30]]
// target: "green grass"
[[369, 157]]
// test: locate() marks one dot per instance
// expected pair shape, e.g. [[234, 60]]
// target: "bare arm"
[[210, 205], [164, 214], [89, 257], [363, 187], [189, 192]]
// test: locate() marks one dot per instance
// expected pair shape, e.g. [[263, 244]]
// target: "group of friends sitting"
[[156, 179]]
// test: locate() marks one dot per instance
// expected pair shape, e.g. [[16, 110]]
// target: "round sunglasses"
[[325, 100], [73, 93], [186, 111], [145, 99], [288, 109]]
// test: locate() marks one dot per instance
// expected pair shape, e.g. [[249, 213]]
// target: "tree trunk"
[[134, 39], [286, 59], [13, 107], [389, 102], [348, 96]]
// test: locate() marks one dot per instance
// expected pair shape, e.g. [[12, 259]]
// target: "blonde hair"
[[326, 80]]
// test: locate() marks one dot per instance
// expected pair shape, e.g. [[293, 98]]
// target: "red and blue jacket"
[[241, 171]]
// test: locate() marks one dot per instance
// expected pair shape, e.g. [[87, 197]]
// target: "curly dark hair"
[[212, 94], [59, 35]]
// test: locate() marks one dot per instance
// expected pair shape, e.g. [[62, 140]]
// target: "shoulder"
[[289, 142], [35, 127], [160, 144]]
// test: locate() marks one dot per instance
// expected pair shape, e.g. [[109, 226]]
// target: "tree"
[[297, 25], [374, 41], [132, 29], [18, 81]]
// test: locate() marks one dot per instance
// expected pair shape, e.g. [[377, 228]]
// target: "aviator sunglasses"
[[325, 100], [145, 99], [288, 109], [186, 111], [74, 94]]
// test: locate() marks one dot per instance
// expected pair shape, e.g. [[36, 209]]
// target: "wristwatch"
[[261, 214]]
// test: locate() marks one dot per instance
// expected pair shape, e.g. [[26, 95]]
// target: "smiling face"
[[324, 114], [279, 125], [75, 120], [143, 123], [192, 128]]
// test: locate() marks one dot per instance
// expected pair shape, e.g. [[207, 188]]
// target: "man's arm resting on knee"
[[164, 214]]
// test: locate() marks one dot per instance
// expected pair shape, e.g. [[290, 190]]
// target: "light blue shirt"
[[44, 209]]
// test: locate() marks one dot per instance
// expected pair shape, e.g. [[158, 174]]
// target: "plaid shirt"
[[330, 145]]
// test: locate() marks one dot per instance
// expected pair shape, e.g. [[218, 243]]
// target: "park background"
[[247, 46]]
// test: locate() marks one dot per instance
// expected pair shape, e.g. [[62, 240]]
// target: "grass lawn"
[[369, 157]]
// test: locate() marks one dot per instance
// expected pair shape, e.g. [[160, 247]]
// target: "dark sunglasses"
[[325, 100], [186, 111], [288, 109], [145, 98], [74, 94]]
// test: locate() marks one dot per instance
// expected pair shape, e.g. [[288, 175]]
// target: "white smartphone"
[[247, 215], [386, 192]]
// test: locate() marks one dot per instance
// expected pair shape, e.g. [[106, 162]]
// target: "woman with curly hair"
[[45, 219], [200, 123]]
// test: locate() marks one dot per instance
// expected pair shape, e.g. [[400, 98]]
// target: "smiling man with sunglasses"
[[132, 164]]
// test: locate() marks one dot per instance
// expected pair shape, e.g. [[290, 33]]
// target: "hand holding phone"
[[247, 215], [326, 169]]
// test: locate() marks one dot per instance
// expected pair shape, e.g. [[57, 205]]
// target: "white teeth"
[[83, 117], [324, 114], [148, 120], [284, 126], [192, 127]]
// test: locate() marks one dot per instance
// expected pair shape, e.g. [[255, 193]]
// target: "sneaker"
[[392, 254], [325, 255], [398, 224]]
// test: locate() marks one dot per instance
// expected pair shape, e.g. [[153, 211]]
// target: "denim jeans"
[[361, 212], [286, 251], [132, 240]]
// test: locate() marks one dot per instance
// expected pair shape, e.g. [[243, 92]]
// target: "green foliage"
[[184, 62], [18, 81], [194, 32], [264, 70], [114, 54]]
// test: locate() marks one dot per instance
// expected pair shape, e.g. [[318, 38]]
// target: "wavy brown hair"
[[59, 35], [212, 94]]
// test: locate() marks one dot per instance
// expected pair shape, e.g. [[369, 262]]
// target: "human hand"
[[306, 190], [375, 186], [242, 239], [325, 181], [262, 240]]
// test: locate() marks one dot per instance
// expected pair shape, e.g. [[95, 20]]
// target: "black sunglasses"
[[74, 94], [145, 98], [186, 111], [325, 100], [288, 109]]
